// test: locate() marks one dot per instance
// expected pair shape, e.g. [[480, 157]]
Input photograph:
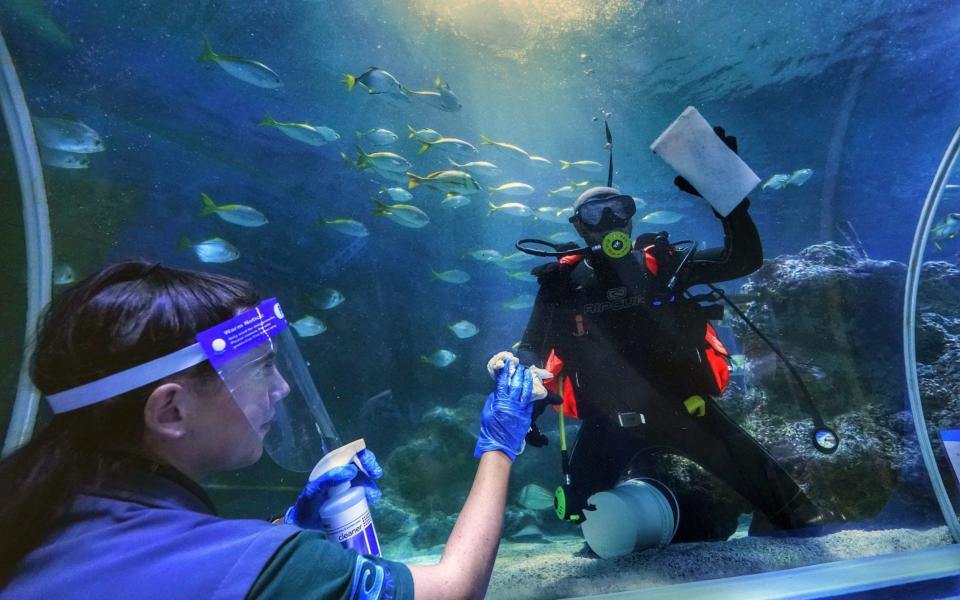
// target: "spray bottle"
[[345, 517]]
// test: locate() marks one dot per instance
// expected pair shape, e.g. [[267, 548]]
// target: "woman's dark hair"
[[121, 316]]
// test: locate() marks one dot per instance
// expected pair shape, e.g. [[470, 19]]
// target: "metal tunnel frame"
[[36, 223], [914, 268]]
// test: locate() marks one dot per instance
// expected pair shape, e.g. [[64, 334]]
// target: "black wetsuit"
[[629, 351]]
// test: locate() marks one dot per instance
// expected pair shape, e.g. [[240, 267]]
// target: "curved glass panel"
[[413, 281]]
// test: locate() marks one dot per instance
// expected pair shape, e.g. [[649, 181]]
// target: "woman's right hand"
[[505, 419]]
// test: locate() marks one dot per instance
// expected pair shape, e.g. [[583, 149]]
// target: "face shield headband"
[[259, 362]]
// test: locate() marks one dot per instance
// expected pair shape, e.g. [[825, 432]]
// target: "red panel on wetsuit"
[[717, 357], [555, 366], [650, 260], [571, 259]]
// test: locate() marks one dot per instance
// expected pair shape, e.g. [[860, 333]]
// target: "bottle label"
[[353, 528]]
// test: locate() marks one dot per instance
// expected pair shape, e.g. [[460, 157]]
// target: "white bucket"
[[633, 516]]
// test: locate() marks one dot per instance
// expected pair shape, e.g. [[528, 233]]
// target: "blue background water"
[[864, 93]]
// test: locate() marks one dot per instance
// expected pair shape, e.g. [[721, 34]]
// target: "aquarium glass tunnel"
[[765, 404]]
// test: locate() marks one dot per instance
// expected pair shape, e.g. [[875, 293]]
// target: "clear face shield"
[[259, 362]]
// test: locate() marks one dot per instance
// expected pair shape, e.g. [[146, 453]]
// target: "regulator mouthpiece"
[[616, 244]]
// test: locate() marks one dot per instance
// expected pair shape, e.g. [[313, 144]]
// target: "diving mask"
[[605, 213]]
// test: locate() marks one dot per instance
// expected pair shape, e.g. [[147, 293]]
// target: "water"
[[864, 93]]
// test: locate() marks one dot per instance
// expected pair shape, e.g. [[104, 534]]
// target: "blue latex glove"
[[505, 419], [304, 512]]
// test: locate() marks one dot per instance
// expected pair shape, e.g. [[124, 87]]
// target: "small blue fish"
[[309, 326], [212, 250], [486, 255], [520, 302], [63, 274], [62, 159], [464, 329], [440, 358], [535, 497], [455, 201], [454, 276], [327, 298], [662, 217]]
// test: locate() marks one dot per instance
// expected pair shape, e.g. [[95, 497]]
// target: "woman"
[[106, 501]]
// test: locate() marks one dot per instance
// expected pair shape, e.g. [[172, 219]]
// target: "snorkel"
[[615, 244]]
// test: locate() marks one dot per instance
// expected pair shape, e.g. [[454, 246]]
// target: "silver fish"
[[550, 213], [378, 137], [535, 497], [541, 162], [67, 134], [246, 70], [478, 167], [520, 302], [948, 230], [403, 214], [451, 146], [423, 135], [454, 276], [309, 326], [523, 276], [514, 188], [376, 81], [464, 329], [448, 100], [238, 214], [569, 191], [345, 226], [63, 160], [212, 250], [315, 135], [378, 161], [510, 150], [455, 201], [63, 274], [327, 298], [776, 182], [589, 166], [440, 358], [397, 194], [661, 217], [511, 208], [800, 177], [457, 182], [486, 255]]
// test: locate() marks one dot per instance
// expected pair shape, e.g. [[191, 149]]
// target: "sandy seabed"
[[561, 568]]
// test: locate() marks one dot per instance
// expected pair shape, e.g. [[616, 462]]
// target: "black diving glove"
[[731, 142], [534, 437]]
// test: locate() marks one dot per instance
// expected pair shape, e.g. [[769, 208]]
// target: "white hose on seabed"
[[914, 268], [36, 224]]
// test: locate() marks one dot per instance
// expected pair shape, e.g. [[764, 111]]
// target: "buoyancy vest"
[[146, 536], [608, 336]]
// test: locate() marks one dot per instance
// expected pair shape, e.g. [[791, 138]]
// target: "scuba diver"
[[636, 359]]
